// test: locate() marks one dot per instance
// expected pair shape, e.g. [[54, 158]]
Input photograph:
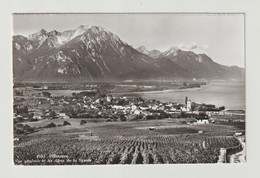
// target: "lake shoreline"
[[219, 93]]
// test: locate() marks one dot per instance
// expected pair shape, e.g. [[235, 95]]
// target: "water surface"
[[228, 94]]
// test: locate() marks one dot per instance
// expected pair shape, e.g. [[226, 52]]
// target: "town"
[[32, 105]]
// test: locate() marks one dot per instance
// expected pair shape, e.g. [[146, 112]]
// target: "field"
[[133, 142]]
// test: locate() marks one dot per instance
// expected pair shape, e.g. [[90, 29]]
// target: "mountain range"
[[90, 53]]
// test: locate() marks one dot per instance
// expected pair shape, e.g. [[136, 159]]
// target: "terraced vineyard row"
[[129, 150]]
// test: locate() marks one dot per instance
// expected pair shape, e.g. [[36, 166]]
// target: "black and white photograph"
[[128, 88]]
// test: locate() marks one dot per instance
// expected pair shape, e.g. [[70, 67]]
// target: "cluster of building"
[[95, 105]]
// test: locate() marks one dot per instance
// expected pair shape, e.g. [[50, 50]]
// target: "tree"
[[27, 128], [30, 116], [138, 117], [150, 117], [164, 115], [69, 110], [52, 114], [183, 115], [46, 94], [121, 102], [66, 123], [21, 110], [18, 93], [82, 122], [122, 117], [51, 125], [221, 108]]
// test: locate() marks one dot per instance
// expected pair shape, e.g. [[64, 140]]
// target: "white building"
[[202, 121], [133, 107], [137, 112], [188, 105], [118, 107], [184, 109], [143, 108], [63, 116], [109, 99], [173, 109], [97, 101]]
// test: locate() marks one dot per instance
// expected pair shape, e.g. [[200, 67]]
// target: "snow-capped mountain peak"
[[143, 50], [80, 30], [171, 50], [90, 53], [53, 33], [42, 33]]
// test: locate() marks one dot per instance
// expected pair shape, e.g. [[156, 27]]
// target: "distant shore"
[[220, 93]]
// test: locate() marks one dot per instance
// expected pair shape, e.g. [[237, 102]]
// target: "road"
[[222, 155]]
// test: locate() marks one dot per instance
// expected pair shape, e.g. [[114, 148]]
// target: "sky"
[[220, 36]]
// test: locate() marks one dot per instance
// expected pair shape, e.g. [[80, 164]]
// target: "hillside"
[[90, 53]]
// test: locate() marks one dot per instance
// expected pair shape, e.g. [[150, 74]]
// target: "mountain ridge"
[[90, 53]]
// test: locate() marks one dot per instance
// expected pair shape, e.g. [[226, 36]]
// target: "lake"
[[230, 94]]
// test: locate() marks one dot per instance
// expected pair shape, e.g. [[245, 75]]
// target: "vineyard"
[[162, 149]]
